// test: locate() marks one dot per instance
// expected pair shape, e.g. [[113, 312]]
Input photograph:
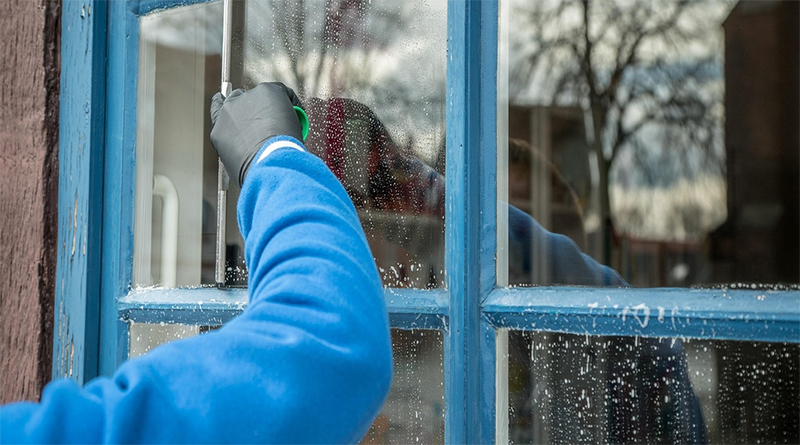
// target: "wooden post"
[[30, 33]]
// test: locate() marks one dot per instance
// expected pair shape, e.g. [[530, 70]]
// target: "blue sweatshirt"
[[309, 361]]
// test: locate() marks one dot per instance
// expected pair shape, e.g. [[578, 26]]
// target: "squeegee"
[[222, 175]]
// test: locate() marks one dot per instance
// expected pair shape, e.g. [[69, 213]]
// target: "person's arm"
[[309, 361], [565, 264]]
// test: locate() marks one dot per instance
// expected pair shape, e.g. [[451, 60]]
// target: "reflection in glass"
[[372, 76], [582, 389], [660, 137]]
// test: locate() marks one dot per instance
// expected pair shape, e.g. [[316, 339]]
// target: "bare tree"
[[321, 43], [643, 71]]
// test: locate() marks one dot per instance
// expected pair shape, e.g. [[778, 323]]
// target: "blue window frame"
[[94, 301]]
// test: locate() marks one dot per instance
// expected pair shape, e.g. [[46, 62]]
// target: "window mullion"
[[119, 180], [471, 209]]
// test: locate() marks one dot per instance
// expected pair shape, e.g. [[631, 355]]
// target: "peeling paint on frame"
[[82, 106]]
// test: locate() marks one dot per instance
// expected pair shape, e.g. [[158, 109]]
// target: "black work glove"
[[242, 122]]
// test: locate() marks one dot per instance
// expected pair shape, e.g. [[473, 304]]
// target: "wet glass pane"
[[660, 138], [371, 75], [583, 389], [143, 337], [414, 410]]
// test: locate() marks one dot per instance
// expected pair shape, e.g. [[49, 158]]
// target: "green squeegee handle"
[[303, 118]]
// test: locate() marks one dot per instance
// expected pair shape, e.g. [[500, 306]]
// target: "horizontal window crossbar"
[[755, 315], [417, 309], [144, 7], [203, 306], [212, 306], [772, 316]]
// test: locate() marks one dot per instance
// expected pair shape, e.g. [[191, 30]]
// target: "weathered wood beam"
[[30, 33]]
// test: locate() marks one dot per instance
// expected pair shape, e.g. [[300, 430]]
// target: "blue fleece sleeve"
[[309, 361]]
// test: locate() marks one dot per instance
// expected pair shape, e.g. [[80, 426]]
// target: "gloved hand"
[[242, 122]]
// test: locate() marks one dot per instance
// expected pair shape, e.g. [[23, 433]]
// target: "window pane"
[[142, 337], [414, 409], [660, 137], [372, 79], [583, 389], [176, 179]]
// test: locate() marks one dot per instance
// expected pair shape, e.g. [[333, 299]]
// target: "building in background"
[[762, 86]]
